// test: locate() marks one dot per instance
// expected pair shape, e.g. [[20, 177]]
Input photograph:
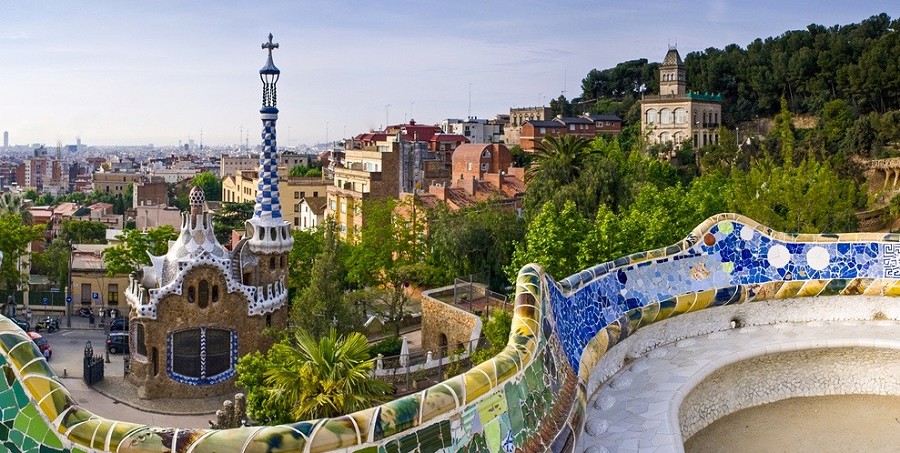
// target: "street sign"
[[45, 301], [95, 296], [68, 299]]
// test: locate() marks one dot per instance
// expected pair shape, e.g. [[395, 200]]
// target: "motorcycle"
[[85, 312], [52, 325]]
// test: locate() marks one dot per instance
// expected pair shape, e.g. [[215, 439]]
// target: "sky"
[[163, 72]]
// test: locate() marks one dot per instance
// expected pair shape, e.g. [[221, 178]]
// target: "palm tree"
[[560, 158], [14, 203], [327, 377]]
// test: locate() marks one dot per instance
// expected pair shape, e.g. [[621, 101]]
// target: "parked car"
[[120, 324], [117, 342], [42, 344]]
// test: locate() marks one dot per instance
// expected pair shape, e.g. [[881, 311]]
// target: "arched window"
[[680, 115], [215, 293], [203, 291], [651, 116], [665, 116], [192, 295], [664, 137], [202, 356], [271, 262]]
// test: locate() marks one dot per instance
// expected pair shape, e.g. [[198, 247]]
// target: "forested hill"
[[856, 63]]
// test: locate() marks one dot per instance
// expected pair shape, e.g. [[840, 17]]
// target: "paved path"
[[106, 407], [637, 409]]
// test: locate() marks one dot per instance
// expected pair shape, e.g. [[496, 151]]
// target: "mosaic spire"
[[268, 205]]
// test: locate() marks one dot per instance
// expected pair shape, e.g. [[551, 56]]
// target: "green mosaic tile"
[[409, 443], [21, 398], [429, 439], [392, 447]]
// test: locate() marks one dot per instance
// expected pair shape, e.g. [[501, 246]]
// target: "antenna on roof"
[[470, 100]]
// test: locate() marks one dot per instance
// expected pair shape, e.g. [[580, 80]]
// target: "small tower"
[[672, 78], [268, 236]]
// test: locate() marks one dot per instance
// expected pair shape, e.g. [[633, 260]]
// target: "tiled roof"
[[316, 204], [605, 118], [537, 123], [672, 58], [574, 120]]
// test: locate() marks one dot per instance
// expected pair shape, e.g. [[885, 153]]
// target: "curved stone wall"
[[531, 397]]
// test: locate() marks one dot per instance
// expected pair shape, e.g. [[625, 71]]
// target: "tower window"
[[192, 295], [215, 293], [204, 294], [272, 262]]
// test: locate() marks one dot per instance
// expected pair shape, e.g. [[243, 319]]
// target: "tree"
[[307, 245], [327, 377], [231, 217], [552, 240], [390, 257], [211, 185], [496, 329], [83, 232], [560, 158], [251, 377], [806, 198], [53, 262], [320, 305], [13, 203], [14, 244], [132, 253], [474, 240]]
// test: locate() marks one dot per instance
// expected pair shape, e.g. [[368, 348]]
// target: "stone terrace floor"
[[637, 409]]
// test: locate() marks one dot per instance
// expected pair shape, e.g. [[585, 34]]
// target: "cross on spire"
[[270, 45]]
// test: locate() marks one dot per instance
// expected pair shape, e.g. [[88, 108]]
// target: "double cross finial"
[[270, 45]]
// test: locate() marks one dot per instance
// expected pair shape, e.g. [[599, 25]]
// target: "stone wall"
[[458, 326], [176, 313], [774, 377]]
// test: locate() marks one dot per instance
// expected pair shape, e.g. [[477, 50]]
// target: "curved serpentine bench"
[[530, 397]]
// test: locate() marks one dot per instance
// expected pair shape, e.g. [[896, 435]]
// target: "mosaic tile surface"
[[530, 396]]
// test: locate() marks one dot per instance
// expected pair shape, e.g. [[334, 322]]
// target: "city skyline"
[[122, 74]]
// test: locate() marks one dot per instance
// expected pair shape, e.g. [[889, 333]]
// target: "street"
[[68, 352]]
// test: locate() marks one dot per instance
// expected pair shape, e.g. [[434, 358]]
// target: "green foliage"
[[388, 347], [327, 377], [230, 218], [307, 244], [53, 262], [303, 170], [132, 252], [474, 240], [251, 377], [561, 106], [83, 232], [211, 185], [12, 203], [14, 243], [320, 305], [496, 329], [807, 198], [552, 239]]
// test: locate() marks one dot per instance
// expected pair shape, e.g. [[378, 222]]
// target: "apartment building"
[[241, 186]]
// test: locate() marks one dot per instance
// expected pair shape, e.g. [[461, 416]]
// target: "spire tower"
[[267, 231]]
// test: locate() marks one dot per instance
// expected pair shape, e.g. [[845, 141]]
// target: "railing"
[[417, 370]]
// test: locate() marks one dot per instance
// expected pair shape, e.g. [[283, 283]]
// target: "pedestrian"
[[28, 315], [47, 354]]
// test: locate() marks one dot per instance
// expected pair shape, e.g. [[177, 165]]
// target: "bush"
[[387, 347]]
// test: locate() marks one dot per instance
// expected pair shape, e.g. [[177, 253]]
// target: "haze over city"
[[116, 73]]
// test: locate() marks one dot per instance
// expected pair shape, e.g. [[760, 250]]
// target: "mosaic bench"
[[530, 397]]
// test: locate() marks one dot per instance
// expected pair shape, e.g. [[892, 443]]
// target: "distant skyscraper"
[[5, 139]]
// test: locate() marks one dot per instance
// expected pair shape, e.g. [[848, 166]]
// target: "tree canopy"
[[132, 252]]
